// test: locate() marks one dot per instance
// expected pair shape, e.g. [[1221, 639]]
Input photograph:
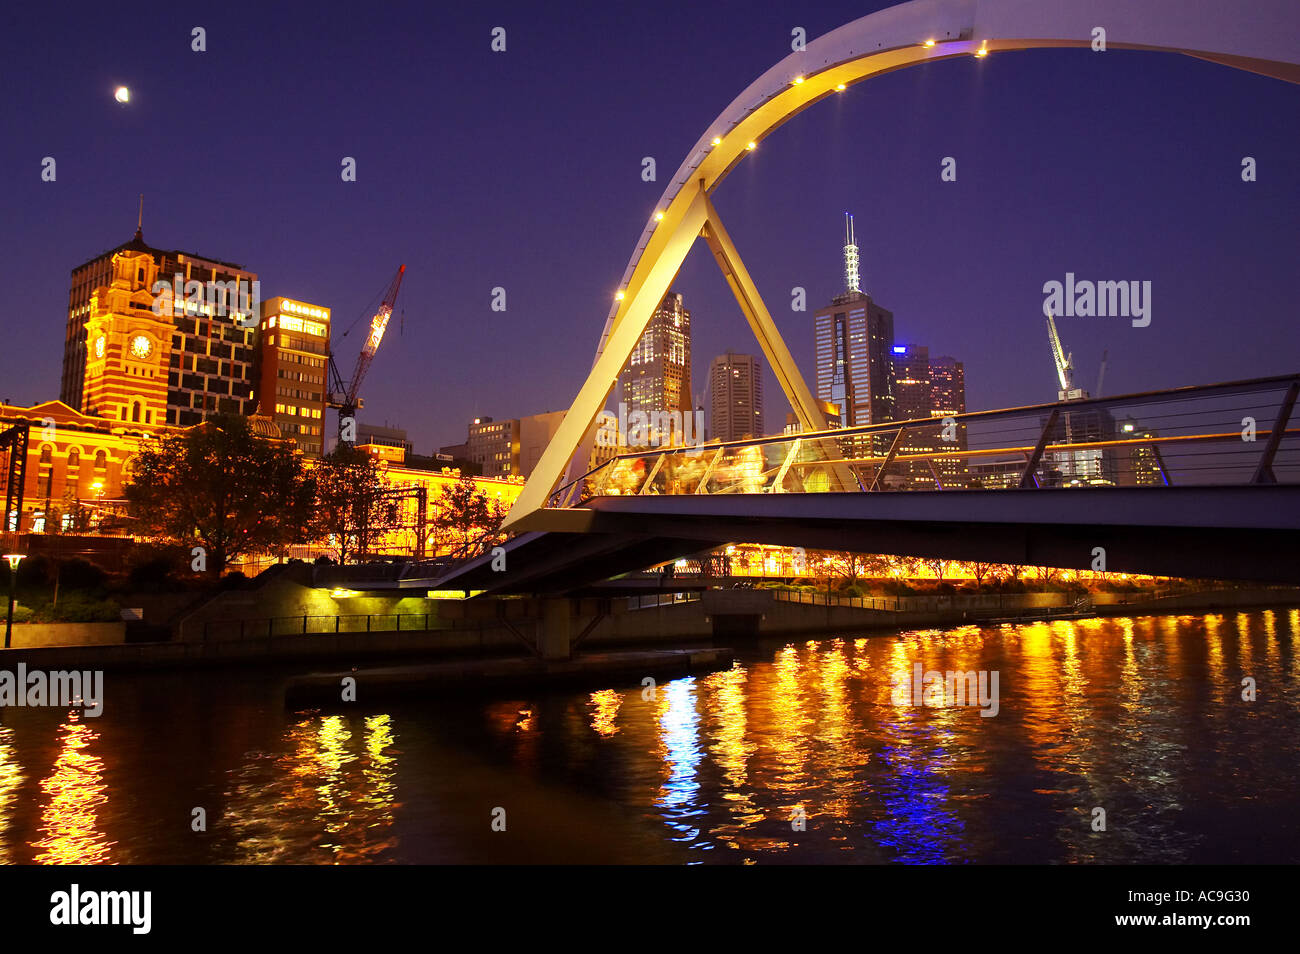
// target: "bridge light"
[[929, 43], [798, 80], [717, 140], [841, 87], [752, 145], [618, 295], [659, 216], [982, 51]]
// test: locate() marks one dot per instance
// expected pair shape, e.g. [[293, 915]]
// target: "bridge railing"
[[1233, 433]]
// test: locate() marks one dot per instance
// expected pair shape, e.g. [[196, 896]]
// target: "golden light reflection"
[[11, 779], [1214, 647], [330, 796], [731, 747], [1130, 685], [791, 724], [605, 705], [76, 791], [835, 731]]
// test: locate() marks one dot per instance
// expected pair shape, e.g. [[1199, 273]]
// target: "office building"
[[293, 368], [914, 401], [736, 397], [948, 398], [657, 377], [854, 342], [494, 445]]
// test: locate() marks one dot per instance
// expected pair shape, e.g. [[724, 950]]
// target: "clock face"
[[141, 346], [99, 347]]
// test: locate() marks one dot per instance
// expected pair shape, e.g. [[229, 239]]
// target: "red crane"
[[343, 394]]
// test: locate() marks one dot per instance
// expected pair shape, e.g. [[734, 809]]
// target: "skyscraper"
[[657, 377], [914, 401], [854, 340], [933, 388], [736, 397], [948, 397]]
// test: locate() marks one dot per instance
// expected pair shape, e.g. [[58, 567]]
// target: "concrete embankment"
[[231, 633]]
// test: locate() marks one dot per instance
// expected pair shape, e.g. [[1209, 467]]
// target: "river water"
[[802, 752]]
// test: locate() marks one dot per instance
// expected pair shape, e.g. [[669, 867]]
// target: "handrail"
[[1049, 441]]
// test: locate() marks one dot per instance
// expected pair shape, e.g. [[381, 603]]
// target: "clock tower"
[[127, 345]]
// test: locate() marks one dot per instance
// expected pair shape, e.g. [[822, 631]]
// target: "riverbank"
[[452, 631]]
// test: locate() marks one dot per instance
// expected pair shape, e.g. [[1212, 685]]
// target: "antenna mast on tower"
[[850, 256]]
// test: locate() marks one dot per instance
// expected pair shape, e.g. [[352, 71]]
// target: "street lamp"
[[13, 559]]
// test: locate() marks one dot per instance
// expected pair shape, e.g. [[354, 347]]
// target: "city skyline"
[[944, 256]]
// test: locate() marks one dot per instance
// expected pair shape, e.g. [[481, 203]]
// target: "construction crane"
[[1064, 368], [343, 395]]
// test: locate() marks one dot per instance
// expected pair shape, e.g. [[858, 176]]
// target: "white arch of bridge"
[[1253, 35]]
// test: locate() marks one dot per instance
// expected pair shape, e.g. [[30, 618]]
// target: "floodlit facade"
[[293, 369], [208, 328]]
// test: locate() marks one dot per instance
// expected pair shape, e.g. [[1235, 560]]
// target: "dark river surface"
[[1143, 718]]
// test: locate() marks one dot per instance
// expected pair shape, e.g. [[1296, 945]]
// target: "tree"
[[980, 571], [353, 503], [74, 514], [466, 521], [219, 486], [937, 566], [1046, 574]]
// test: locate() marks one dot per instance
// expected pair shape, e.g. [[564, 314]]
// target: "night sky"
[[523, 170]]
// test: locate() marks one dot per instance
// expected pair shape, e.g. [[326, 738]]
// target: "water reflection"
[[604, 716], [11, 780], [75, 792], [330, 796], [680, 743], [1142, 717]]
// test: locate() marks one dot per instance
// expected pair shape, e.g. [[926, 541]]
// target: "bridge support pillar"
[[555, 629]]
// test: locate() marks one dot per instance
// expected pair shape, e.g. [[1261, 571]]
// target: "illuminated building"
[[657, 377], [74, 467], [128, 345], [293, 363], [1138, 465], [829, 411], [1082, 466], [995, 474], [389, 443], [508, 448], [736, 397], [210, 353], [77, 464], [913, 401], [494, 445], [948, 397], [854, 340]]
